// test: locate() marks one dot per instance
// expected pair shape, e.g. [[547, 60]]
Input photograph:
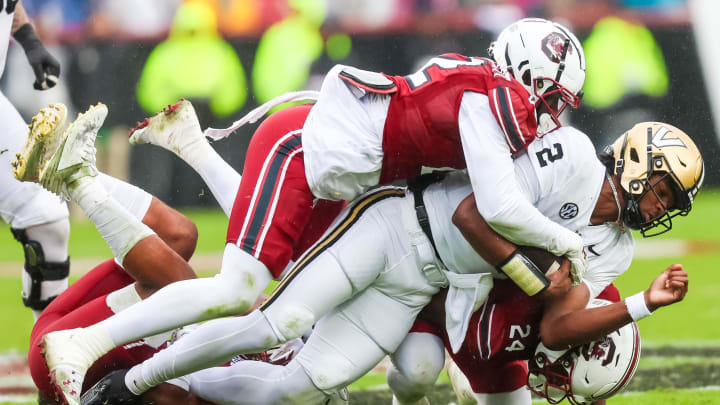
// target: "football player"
[[639, 162], [367, 128], [38, 219], [178, 232], [590, 372], [368, 277], [110, 288]]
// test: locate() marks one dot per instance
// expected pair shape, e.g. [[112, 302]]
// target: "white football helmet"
[[549, 62], [589, 372]]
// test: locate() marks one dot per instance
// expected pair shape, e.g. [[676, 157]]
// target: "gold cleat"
[[44, 139]]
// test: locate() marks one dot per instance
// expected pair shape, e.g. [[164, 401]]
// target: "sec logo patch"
[[568, 211]]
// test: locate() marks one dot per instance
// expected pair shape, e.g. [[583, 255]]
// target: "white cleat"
[[67, 356], [75, 158], [43, 140], [175, 128]]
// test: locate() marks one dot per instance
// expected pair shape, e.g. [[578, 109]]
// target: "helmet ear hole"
[[634, 155]]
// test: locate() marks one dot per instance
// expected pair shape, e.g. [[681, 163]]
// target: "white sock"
[[222, 180], [134, 199], [123, 298], [219, 176], [120, 229]]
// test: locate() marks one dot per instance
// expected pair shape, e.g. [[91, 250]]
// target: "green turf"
[[648, 362], [703, 222], [691, 322], [663, 397], [14, 316]]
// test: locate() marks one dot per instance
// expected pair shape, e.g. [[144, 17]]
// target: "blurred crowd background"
[[645, 63]]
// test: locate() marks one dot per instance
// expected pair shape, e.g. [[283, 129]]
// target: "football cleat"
[[111, 389], [75, 158], [175, 128], [43, 140], [68, 356]]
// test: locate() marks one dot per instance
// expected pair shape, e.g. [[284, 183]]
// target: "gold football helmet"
[[651, 148]]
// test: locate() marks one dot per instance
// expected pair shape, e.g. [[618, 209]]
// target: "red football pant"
[[271, 216], [83, 304]]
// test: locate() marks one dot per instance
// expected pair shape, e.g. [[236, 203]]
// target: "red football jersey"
[[421, 128], [501, 335]]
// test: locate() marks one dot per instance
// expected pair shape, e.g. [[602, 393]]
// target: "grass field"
[[681, 344]]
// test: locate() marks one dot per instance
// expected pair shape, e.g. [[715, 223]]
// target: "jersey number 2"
[[546, 155], [423, 76]]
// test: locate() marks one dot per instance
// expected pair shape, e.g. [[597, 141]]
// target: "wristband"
[[25, 35], [524, 273], [636, 307]]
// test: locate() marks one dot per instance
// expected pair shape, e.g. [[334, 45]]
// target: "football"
[[544, 260]]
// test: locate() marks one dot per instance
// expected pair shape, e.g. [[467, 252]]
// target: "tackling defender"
[[378, 139]]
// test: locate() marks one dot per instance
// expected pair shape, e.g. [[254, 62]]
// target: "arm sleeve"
[[497, 193]]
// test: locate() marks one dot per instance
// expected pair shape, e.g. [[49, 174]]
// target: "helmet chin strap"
[[617, 200]]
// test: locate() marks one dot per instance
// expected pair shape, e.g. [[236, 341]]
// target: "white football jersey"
[[5, 27], [561, 175]]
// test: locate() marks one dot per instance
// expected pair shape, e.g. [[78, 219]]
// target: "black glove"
[[44, 65]]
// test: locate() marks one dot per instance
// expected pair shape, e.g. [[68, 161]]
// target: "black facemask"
[[633, 218]]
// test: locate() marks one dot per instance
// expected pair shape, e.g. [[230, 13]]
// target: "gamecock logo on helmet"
[[600, 350], [552, 46]]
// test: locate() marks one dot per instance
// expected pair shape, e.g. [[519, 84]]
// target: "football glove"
[[44, 65]]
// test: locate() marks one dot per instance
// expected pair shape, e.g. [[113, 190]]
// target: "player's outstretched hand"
[[667, 288]]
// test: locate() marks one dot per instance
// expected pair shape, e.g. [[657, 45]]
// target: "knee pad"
[[417, 363], [39, 270], [290, 322], [241, 280]]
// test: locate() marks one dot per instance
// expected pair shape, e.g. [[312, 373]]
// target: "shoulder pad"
[[367, 81], [515, 115]]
